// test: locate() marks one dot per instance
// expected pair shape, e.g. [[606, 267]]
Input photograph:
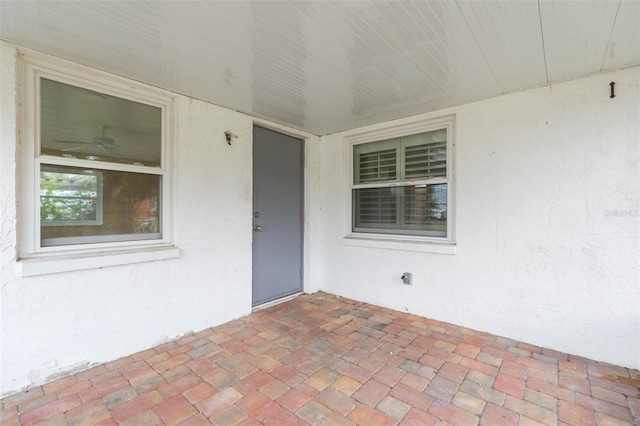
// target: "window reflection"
[[81, 123]]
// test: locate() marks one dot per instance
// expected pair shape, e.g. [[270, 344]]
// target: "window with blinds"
[[400, 185]]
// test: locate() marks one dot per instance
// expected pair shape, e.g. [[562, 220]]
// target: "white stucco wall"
[[54, 323], [547, 223], [547, 236]]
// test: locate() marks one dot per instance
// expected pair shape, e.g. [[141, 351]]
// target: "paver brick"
[[321, 359], [258, 406], [489, 359], [120, 396], [372, 364], [393, 408], [573, 414], [452, 414], [88, 414], [419, 418], [333, 419], [94, 371], [416, 399], [389, 375], [147, 417], [483, 392], [550, 389], [322, 378], [296, 397], [371, 393], [283, 417], [541, 399], [199, 392], [336, 401], [365, 415], [534, 373], [354, 371], [9, 417], [73, 389], [252, 382], [530, 410], [346, 385], [509, 385], [136, 405], [467, 350], [313, 412], [606, 407], [603, 419], [538, 364], [59, 384], [50, 410], [219, 378], [479, 366], [468, 403], [102, 389], [453, 372], [23, 397], [609, 396], [417, 368], [274, 388], [174, 410], [496, 415], [219, 401], [632, 391], [514, 369], [288, 375], [179, 385], [441, 388], [197, 420], [634, 404]]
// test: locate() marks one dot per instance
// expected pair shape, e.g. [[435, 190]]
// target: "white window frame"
[[400, 240], [37, 259]]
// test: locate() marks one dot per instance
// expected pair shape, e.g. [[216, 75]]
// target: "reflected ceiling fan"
[[101, 141]]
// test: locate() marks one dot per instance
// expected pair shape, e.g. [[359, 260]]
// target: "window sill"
[[43, 265], [399, 243]]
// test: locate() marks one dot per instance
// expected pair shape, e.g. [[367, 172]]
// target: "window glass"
[[70, 196], [401, 186], [128, 206], [84, 124]]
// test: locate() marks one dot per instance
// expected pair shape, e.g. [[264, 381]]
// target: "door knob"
[[257, 228]]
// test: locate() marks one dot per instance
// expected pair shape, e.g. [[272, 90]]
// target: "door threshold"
[[276, 302]]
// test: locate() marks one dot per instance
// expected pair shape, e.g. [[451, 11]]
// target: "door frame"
[[310, 201]]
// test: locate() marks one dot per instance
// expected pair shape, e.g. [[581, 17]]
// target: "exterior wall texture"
[[547, 223], [58, 322]]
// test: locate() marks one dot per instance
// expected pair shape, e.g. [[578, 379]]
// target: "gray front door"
[[277, 215]]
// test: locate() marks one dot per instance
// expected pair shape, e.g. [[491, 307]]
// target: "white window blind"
[[400, 185]]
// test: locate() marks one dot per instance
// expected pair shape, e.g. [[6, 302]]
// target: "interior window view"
[[99, 162], [326, 213]]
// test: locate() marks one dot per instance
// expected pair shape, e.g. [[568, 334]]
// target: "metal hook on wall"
[[228, 135]]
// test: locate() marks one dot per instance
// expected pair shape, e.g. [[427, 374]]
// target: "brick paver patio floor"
[[322, 359]]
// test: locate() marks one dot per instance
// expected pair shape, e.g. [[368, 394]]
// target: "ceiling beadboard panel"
[[624, 46], [327, 66], [576, 36], [510, 39]]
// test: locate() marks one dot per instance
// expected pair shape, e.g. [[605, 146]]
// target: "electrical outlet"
[[407, 278]]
